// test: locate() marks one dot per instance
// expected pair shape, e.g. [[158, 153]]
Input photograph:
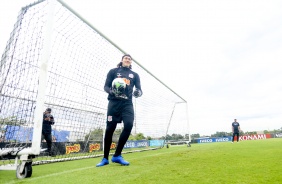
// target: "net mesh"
[[77, 67]]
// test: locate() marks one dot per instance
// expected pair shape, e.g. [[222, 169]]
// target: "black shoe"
[[51, 154]]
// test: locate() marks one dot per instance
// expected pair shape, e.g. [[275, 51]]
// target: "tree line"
[[97, 134], [225, 134]]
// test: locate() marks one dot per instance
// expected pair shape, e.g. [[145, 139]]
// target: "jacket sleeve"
[[108, 83], [52, 120], [138, 83]]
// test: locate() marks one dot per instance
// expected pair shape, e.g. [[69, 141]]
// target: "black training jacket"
[[131, 78]]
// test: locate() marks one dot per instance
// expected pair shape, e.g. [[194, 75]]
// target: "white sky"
[[224, 57]]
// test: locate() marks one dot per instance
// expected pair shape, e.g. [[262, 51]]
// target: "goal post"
[[56, 59], [42, 80]]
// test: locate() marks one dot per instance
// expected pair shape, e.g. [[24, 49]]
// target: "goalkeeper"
[[48, 120], [120, 107]]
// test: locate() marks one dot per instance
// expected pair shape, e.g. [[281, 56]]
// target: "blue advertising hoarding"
[[24, 134], [136, 144], [215, 139]]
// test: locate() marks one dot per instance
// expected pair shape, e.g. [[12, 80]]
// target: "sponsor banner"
[[72, 148], [215, 139], [18, 133], [113, 145], [24, 134], [136, 144], [94, 147], [253, 137], [241, 138], [277, 135], [156, 142], [78, 147], [60, 135]]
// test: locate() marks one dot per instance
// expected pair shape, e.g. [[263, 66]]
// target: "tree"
[[139, 136], [118, 132], [176, 137], [250, 133], [149, 138], [131, 137], [96, 134], [186, 136], [193, 136], [9, 121], [12, 120], [167, 137], [219, 134], [265, 131]]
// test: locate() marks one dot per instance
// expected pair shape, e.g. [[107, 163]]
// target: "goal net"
[[56, 59]]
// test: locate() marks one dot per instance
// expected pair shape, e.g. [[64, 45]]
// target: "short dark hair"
[[49, 109], [120, 63], [126, 55]]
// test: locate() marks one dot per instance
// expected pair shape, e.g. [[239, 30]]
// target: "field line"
[[54, 174], [79, 169]]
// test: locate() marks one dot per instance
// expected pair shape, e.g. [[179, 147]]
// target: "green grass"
[[248, 162]]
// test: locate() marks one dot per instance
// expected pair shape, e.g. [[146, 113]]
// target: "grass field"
[[247, 162]]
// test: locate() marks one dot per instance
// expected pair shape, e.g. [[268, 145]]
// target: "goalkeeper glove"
[[112, 92], [115, 92], [137, 93]]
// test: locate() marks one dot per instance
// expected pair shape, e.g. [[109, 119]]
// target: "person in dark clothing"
[[235, 130], [48, 121], [120, 108]]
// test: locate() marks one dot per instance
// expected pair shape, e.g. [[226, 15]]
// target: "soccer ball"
[[118, 86]]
